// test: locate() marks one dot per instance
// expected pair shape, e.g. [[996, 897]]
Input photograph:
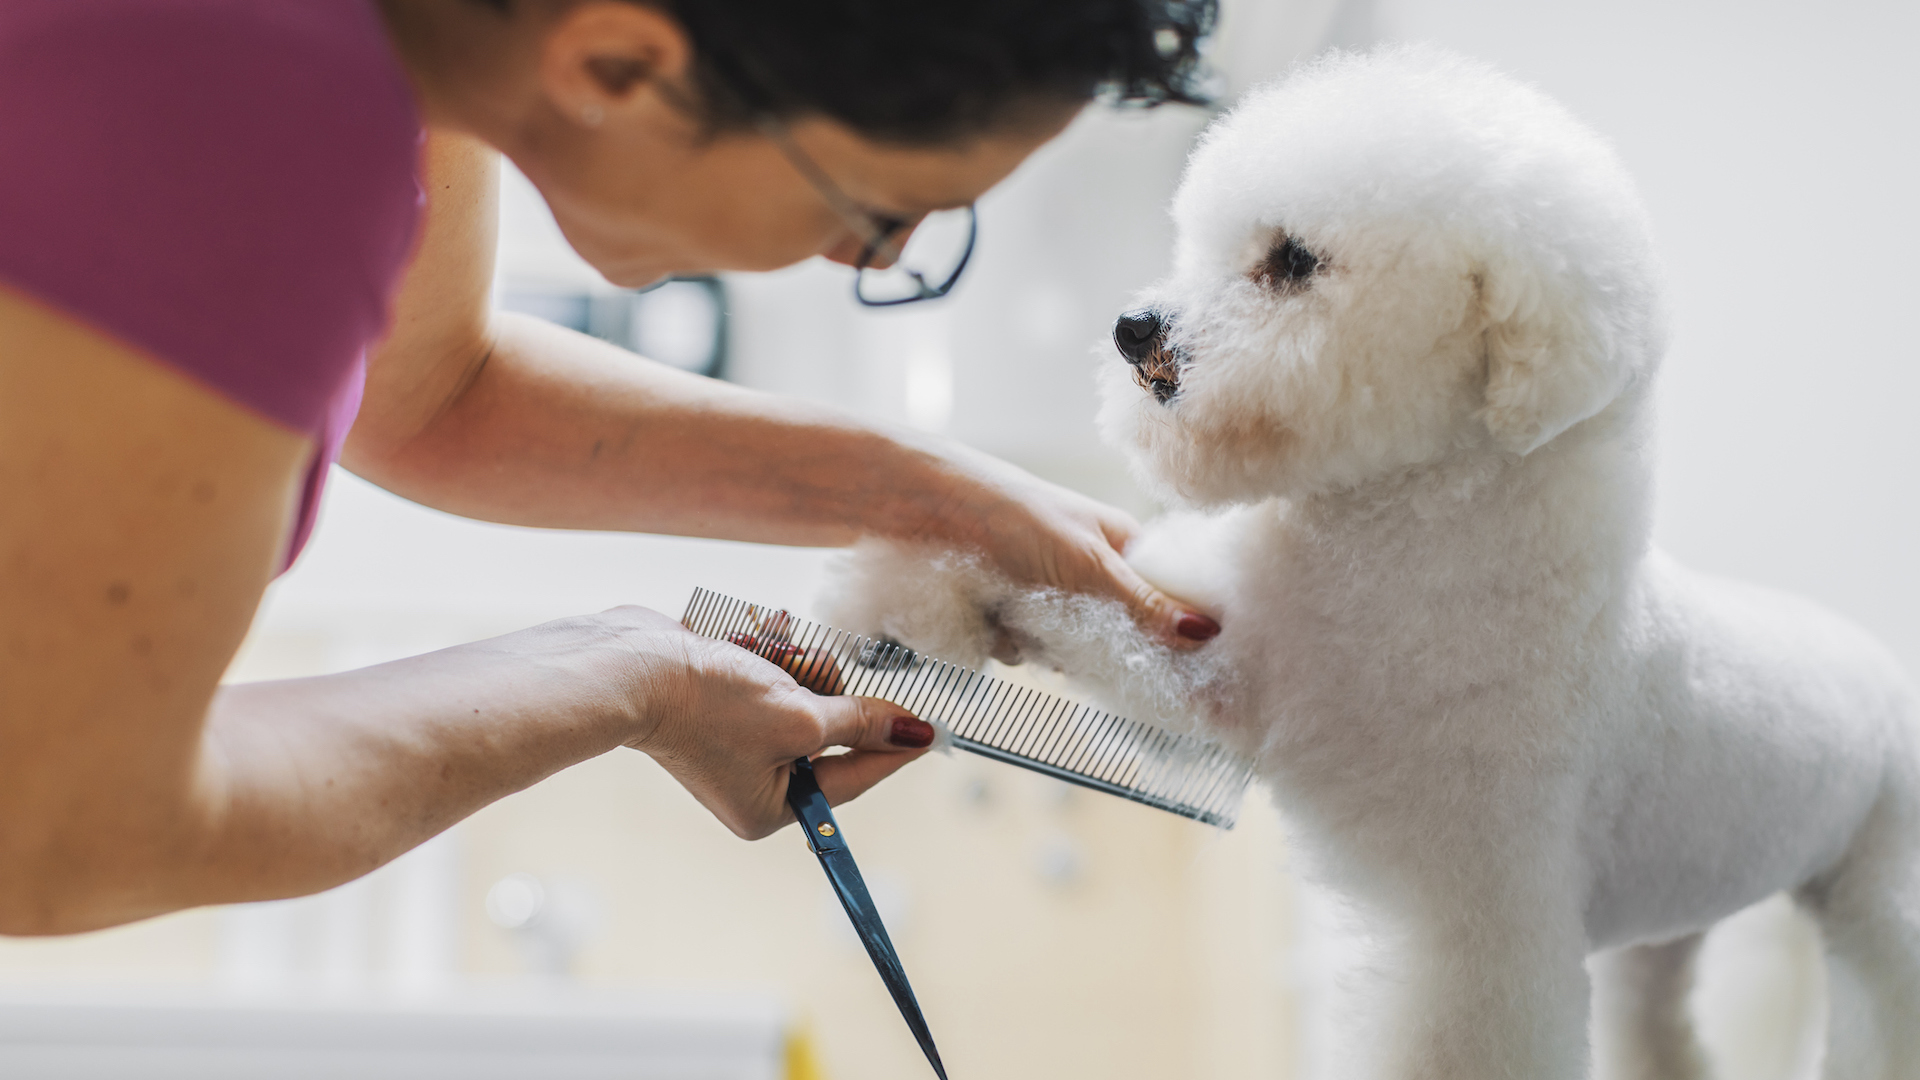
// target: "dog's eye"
[[1287, 266]]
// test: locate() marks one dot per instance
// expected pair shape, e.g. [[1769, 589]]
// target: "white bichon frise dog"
[[1404, 367]]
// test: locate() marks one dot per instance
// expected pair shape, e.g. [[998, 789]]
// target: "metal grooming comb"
[[1022, 726]]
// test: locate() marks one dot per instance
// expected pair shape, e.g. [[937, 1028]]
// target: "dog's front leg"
[[1509, 1005], [1495, 986]]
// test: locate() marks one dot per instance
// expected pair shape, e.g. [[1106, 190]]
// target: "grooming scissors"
[[830, 844]]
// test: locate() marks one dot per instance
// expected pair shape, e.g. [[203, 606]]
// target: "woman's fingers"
[[1086, 541], [739, 724], [1179, 624], [881, 737], [844, 777], [815, 669]]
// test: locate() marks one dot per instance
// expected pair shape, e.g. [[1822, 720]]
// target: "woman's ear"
[[603, 58], [1551, 362]]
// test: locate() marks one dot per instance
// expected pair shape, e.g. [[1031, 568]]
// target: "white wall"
[[1778, 148]]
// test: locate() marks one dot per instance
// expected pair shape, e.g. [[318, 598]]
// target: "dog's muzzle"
[[1141, 337]]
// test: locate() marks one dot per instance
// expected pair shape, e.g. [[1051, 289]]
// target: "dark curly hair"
[[932, 71]]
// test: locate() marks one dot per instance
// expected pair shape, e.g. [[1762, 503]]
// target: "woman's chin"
[[641, 275]]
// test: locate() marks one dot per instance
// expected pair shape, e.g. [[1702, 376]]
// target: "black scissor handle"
[[810, 807]]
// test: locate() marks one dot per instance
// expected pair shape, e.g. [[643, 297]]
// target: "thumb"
[[1171, 620], [864, 723], [882, 736]]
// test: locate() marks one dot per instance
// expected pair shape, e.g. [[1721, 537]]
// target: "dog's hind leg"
[[1869, 911], [1642, 1029]]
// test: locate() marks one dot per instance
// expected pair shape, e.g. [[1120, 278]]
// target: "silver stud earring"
[[592, 115]]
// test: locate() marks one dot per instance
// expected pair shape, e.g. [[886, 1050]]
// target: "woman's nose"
[[845, 251], [857, 251], [1137, 334]]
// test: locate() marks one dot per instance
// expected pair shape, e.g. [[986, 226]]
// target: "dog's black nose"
[[1137, 334]]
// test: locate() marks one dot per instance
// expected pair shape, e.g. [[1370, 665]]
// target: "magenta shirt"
[[227, 186]]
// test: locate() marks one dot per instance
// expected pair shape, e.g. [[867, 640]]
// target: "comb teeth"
[[1019, 725]]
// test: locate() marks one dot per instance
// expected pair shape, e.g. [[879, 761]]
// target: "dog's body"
[[1408, 347]]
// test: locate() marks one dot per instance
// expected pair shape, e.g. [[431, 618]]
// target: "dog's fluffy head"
[[1382, 260]]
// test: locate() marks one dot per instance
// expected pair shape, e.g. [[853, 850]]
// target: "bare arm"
[[558, 429], [144, 518], [511, 419]]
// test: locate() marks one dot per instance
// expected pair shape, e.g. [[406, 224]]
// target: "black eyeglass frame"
[[877, 234]]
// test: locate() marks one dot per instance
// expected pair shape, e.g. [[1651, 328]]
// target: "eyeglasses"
[[936, 246]]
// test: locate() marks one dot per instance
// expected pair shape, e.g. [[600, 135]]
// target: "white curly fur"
[[1503, 728]]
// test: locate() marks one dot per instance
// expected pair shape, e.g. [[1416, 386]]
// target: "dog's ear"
[[1550, 364]]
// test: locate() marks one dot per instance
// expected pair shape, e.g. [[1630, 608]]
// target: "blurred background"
[[601, 924]]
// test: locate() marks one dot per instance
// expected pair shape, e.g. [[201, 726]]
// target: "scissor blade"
[[830, 844], [852, 891]]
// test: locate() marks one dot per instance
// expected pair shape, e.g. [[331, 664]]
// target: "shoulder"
[[203, 85], [215, 181]]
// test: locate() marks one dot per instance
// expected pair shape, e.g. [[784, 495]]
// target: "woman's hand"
[[1041, 534], [728, 722]]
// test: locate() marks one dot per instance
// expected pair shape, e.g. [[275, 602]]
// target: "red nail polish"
[[1196, 627], [910, 733]]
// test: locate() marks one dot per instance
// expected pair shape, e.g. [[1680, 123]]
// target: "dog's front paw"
[[949, 605], [1119, 666], [942, 603]]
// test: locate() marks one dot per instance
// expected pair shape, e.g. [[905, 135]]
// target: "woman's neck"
[[471, 66]]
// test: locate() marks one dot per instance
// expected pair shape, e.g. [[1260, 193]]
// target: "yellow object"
[[803, 1063], [826, 829]]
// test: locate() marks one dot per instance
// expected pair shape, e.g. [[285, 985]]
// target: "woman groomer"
[[217, 274]]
